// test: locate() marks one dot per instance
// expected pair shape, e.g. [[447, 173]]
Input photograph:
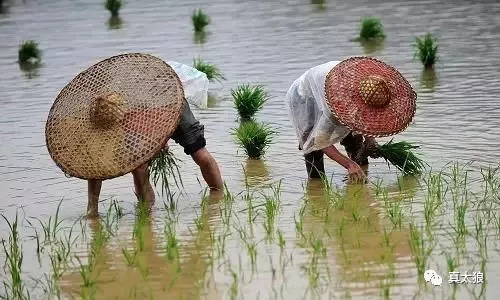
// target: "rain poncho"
[[194, 82], [315, 125]]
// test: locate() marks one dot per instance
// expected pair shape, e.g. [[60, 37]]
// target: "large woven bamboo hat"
[[370, 97], [114, 116]]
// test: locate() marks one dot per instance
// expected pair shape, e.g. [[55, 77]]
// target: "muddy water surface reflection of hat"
[[114, 116], [370, 97]]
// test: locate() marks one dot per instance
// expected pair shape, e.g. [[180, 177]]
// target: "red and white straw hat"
[[370, 97]]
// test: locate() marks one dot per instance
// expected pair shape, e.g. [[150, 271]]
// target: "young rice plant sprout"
[[200, 20], [248, 100], [426, 50], [212, 72], [254, 138], [29, 53]]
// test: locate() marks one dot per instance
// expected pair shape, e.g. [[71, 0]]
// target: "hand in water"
[[356, 173]]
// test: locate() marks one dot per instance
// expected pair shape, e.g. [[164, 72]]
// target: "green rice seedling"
[[130, 256], [335, 198], [13, 252], [29, 53], [394, 211], [312, 271], [141, 221], [460, 224], [113, 6], [271, 210], [434, 197], [400, 154], [421, 251], [172, 242], [200, 20], [317, 246], [255, 138], [52, 227], [87, 279], [281, 240], [248, 100], [426, 50], [213, 73], [371, 29], [164, 165], [452, 263], [480, 236], [234, 286]]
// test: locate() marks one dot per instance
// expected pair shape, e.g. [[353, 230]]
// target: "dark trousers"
[[314, 160]]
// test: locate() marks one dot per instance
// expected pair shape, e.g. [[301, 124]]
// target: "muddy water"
[[271, 43]]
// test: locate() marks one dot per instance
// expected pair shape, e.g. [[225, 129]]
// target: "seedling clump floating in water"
[[212, 72], [200, 20], [29, 53], [426, 50], [113, 6], [254, 138], [371, 29], [248, 100]]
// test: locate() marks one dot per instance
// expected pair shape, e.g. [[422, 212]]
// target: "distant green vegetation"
[[426, 50], [371, 29], [29, 52], [200, 20], [212, 72], [114, 7]]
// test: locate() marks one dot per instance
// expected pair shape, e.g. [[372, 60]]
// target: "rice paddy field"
[[273, 234]]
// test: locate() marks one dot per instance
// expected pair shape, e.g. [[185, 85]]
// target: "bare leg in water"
[[143, 190]]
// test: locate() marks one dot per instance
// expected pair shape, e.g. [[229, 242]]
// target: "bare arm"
[[352, 167]]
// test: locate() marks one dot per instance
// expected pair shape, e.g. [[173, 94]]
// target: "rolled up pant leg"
[[314, 164]]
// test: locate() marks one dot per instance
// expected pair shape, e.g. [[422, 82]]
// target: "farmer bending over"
[[351, 102], [113, 118]]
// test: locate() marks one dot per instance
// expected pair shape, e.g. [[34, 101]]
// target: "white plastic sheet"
[[314, 124], [194, 82]]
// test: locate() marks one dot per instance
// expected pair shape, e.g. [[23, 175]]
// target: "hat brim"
[[154, 97], [343, 98]]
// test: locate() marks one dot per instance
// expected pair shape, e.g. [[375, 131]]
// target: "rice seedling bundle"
[[254, 138], [371, 29], [162, 166], [113, 6], [29, 52], [212, 72], [400, 155], [200, 20], [426, 50], [248, 100]]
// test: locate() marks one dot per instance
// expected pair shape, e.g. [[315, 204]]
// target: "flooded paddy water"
[[273, 235]]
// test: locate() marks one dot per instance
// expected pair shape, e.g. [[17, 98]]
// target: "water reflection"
[[360, 245], [200, 37], [428, 79], [257, 173], [211, 100], [320, 4], [372, 46], [115, 22], [29, 69], [153, 274]]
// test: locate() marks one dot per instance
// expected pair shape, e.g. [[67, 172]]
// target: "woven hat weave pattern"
[[370, 97], [114, 116]]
